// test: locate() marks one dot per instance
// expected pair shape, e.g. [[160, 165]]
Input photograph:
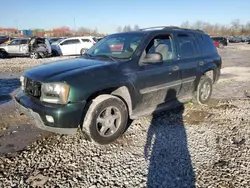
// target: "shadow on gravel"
[[170, 162], [7, 86]]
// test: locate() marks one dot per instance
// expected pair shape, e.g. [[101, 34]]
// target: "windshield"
[[120, 46]]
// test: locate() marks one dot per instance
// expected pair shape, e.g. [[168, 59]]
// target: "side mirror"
[[152, 58]]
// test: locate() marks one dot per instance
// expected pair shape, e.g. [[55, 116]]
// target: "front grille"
[[32, 87]]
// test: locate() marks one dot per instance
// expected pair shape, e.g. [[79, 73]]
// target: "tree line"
[[235, 28]]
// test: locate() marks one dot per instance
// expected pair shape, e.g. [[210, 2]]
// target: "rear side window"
[[72, 41], [86, 40], [23, 42], [187, 46], [206, 44]]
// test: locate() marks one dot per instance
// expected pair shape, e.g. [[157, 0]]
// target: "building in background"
[[61, 31]]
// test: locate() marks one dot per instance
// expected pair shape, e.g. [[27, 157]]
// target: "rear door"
[[189, 58], [23, 47]]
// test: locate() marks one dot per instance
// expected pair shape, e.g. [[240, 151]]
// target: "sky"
[[107, 15]]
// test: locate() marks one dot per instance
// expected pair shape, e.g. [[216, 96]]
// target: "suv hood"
[[56, 71]]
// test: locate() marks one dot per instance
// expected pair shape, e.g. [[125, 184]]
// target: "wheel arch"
[[211, 72], [120, 91]]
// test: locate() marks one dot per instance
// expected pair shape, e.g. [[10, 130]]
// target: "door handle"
[[175, 68], [201, 63]]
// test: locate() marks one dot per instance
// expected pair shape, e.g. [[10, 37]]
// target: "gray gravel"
[[209, 151]]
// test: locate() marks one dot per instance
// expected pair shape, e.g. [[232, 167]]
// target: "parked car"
[[221, 40], [17, 47], [34, 47], [39, 47], [234, 40], [73, 46], [100, 91]]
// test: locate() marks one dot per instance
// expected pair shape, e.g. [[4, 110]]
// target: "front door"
[[159, 83], [13, 47]]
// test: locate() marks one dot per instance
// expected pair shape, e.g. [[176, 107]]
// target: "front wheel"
[[3, 54], [204, 90], [106, 119]]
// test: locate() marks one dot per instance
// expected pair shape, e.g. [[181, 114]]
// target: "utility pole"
[[74, 26], [16, 22]]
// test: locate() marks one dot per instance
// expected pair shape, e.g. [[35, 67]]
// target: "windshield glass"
[[120, 46]]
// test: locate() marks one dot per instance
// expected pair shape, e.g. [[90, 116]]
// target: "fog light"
[[49, 119]]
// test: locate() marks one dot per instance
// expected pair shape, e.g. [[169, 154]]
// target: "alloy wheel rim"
[[33, 55], [108, 121], [205, 91]]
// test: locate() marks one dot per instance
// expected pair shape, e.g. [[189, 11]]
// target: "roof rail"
[[156, 27], [171, 27]]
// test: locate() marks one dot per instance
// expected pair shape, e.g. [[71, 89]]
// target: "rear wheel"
[[34, 55], [106, 119], [204, 90], [221, 45], [83, 51]]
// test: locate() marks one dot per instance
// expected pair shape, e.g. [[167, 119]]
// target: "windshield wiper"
[[106, 56]]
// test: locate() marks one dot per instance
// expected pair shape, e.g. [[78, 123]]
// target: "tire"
[[200, 96], [112, 114], [3, 54], [34, 55], [83, 51]]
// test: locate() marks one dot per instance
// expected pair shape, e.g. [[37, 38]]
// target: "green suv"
[[124, 76]]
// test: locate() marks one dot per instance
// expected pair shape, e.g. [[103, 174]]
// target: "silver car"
[[35, 47], [17, 47]]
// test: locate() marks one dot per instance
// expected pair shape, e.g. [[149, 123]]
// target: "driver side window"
[[162, 44]]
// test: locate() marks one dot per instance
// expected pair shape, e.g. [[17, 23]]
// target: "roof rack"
[[170, 27]]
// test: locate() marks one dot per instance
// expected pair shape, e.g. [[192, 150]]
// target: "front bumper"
[[66, 117]]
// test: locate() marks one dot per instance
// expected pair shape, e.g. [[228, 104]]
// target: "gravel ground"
[[192, 146], [172, 149], [17, 65]]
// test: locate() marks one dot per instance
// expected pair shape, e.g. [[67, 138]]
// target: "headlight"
[[56, 93], [22, 82]]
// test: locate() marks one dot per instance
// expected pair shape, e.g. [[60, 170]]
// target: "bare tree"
[[127, 28], [234, 28], [185, 24], [136, 27], [119, 29]]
